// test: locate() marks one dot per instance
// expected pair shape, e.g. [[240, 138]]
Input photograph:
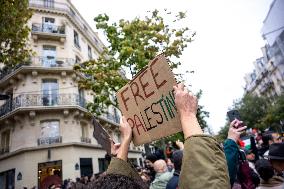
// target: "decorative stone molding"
[[20, 76], [81, 115], [18, 120], [76, 114], [12, 81], [65, 114], [32, 115], [74, 76], [34, 76], [63, 75], [34, 37]]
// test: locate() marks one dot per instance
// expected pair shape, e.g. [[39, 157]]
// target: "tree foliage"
[[14, 32], [252, 110], [132, 44], [275, 114], [258, 112]]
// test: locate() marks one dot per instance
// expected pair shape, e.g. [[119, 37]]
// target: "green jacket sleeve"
[[203, 165], [231, 150], [121, 167]]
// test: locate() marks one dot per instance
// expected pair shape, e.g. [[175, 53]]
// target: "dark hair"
[[78, 179], [152, 157], [264, 169], [160, 154], [116, 181], [266, 137], [177, 159]]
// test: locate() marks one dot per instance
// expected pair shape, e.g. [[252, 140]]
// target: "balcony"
[[49, 140], [4, 150], [41, 100], [52, 62], [85, 139], [40, 61], [65, 8], [48, 31]]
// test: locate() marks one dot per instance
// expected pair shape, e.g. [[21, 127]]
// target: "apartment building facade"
[[267, 79], [45, 127]]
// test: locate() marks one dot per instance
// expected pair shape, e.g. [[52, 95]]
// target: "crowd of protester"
[[200, 162]]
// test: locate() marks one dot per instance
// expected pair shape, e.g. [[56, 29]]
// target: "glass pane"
[[49, 56], [49, 129], [49, 92]]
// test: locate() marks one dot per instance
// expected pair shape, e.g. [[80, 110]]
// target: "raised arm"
[[231, 148], [119, 164], [204, 164]]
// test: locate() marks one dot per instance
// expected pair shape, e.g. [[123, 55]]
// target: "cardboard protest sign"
[[148, 103]]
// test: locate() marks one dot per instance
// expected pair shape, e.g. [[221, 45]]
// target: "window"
[[77, 60], [84, 129], [49, 129], [76, 39], [86, 167], [96, 41], [5, 141], [49, 56], [72, 12], [85, 27], [103, 164], [49, 3], [133, 161], [49, 132], [90, 52], [81, 98], [49, 92], [7, 179], [48, 20], [116, 115]]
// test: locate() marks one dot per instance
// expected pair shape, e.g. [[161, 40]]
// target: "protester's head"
[[115, 181], [177, 159], [160, 154], [267, 139], [264, 169], [276, 138], [150, 159], [78, 179], [276, 156], [160, 166], [170, 164]]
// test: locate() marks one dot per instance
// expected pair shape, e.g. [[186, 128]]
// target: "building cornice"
[[53, 146]]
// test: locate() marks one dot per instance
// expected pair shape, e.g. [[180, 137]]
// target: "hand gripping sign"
[[148, 103]]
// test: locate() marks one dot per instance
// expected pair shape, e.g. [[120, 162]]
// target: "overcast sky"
[[228, 40]]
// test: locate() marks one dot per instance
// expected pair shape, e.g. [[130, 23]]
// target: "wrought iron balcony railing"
[[48, 28], [67, 8], [52, 61], [41, 100], [4, 150], [39, 61], [49, 140], [85, 139], [6, 70]]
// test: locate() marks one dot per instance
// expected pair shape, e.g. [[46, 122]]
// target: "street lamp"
[[4, 97]]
